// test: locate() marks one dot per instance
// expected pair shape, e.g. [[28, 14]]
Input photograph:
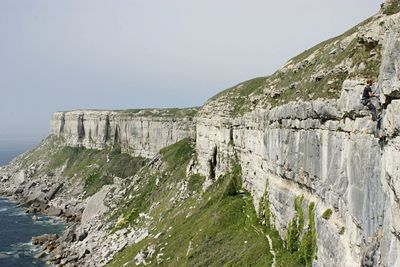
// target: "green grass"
[[91, 165], [392, 8], [42, 152], [238, 96], [329, 85], [175, 159], [301, 242], [218, 227], [195, 183], [177, 156], [222, 228], [167, 112], [242, 89], [321, 45], [81, 166]]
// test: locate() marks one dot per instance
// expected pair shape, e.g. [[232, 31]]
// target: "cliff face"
[[137, 133], [337, 164], [329, 151]]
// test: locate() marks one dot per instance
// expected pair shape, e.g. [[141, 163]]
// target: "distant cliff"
[[138, 132]]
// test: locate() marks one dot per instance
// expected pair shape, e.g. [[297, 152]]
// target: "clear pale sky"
[[115, 54]]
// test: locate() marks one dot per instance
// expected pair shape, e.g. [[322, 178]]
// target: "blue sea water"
[[16, 227], [16, 231]]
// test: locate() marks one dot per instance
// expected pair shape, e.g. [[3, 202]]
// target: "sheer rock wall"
[[331, 152], [136, 134]]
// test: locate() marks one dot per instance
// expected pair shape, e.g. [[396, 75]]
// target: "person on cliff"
[[366, 99]]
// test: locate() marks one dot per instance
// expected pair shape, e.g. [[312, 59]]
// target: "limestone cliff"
[[138, 132], [325, 148]]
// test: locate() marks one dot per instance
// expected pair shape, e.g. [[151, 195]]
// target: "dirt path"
[[271, 250]]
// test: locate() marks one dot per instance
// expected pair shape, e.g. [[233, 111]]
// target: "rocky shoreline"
[[38, 199], [87, 239]]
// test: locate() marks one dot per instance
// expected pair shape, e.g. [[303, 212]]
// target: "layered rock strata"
[[135, 133], [329, 151]]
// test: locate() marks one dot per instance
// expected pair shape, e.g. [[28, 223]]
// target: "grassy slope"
[[88, 167], [298, 84], [218, 227]]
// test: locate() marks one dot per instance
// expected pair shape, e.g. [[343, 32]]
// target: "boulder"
[[83, 252], [53, 191], [53, 211], [69, 235], [4, 178], [40, 240], [41, 255], [18, 178], [391, 120], [95, 205], [81, 235]]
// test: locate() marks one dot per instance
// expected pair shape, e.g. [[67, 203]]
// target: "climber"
[[366, 99]]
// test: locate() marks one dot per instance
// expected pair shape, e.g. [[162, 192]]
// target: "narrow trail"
[[271, 250]]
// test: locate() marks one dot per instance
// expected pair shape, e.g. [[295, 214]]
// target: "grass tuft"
[[327, 214]]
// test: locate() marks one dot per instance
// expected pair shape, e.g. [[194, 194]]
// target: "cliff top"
[[167, 112], [318, 72], [147, 112]]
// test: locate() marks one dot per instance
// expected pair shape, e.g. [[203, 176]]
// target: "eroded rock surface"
[[136, 133]]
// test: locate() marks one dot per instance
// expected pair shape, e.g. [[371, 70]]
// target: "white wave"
[[18, 213], [23, 248], [48, 220], [9, 253], [3, 209], [26, 245]]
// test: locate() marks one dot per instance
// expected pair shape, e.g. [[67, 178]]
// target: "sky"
[[117, 54]]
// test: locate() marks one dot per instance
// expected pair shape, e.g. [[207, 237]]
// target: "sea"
[[17, 227]]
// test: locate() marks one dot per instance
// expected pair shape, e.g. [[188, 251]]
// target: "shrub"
[[341, 232], [302, 243], [308, 246], [392, 8], [327, 214]]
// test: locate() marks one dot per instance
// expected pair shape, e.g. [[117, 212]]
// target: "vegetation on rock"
[[89, 168], [316, 73], [327, 214], [301, 242], [167, 112], [392, 8], [212, 228], [216, 227]]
